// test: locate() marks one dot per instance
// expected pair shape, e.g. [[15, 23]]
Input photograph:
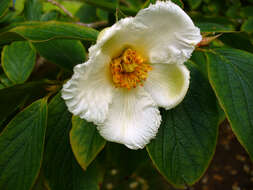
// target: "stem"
[[61, 7]]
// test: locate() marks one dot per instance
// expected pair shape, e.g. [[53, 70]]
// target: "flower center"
[[129, 69]]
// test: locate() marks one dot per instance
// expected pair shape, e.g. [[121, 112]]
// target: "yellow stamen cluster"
[[129, 69]]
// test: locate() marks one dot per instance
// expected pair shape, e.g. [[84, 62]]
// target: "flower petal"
[[171, 33], [133, 119], [89, 92], [168, 84]]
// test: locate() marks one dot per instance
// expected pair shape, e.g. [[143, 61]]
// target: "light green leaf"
[[185, 143], [44, 31], [63, 52], [33, 10], [21, 147], [18, 60], [4, 4], [71, 6], [85, 141], [231, 76], [61, 170]]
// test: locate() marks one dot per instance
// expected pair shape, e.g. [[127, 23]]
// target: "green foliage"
[[39, 32], [187, 136], [4, 4], [63, 52], [86, 143], [21, 146], [18, 60], [42, 41], [60, 168], [235, 69]]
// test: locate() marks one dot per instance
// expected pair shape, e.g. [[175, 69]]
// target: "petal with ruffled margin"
[[170, 33], [133, 119], [89, 92], [168, 84], [162, 33]]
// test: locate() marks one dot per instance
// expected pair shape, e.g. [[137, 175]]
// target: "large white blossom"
[[135, 67]]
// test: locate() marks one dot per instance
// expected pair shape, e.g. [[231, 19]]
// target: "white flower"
[[135, 67]]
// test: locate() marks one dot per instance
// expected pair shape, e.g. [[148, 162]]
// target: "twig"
[[91, 25], [62, 8], [94, 24]]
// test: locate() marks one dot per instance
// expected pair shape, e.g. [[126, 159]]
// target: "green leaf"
[[179, 3], [247, 26], [21, 147], [199, 58], [185, 143], [60, 167], [246, 11], [33, 10], [237, 40], [194, 4], [213, 24], [87, 13], [5, 80], [63, 52], [110, 6], [85, 141], [123, 159], [51, 15], [71, 6], [11, 98], [4, 4], [44, 31], [18, 60], [231, 76]]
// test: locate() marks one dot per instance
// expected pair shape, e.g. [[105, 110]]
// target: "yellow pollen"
[[129, 69]]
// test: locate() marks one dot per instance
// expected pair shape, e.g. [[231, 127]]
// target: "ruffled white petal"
[[170, 33], [89, 92], [162, 33], [168, 84], [133, 119]]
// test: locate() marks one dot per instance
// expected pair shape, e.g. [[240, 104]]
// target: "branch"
[[61, 7]]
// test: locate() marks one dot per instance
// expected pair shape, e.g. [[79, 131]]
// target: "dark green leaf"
[[110, 6], [4, 4], [185, 143], [33, 10], [21, 147], [18, 60], [5, 81], [60, 167], [52, 15], [87, 13], [237, 40], [179, 2], [63, 52], [246, 11], [214, 24], [194, 3], [85, 141], [11, 98], [231, 76], [44, 31], [247, 26]]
